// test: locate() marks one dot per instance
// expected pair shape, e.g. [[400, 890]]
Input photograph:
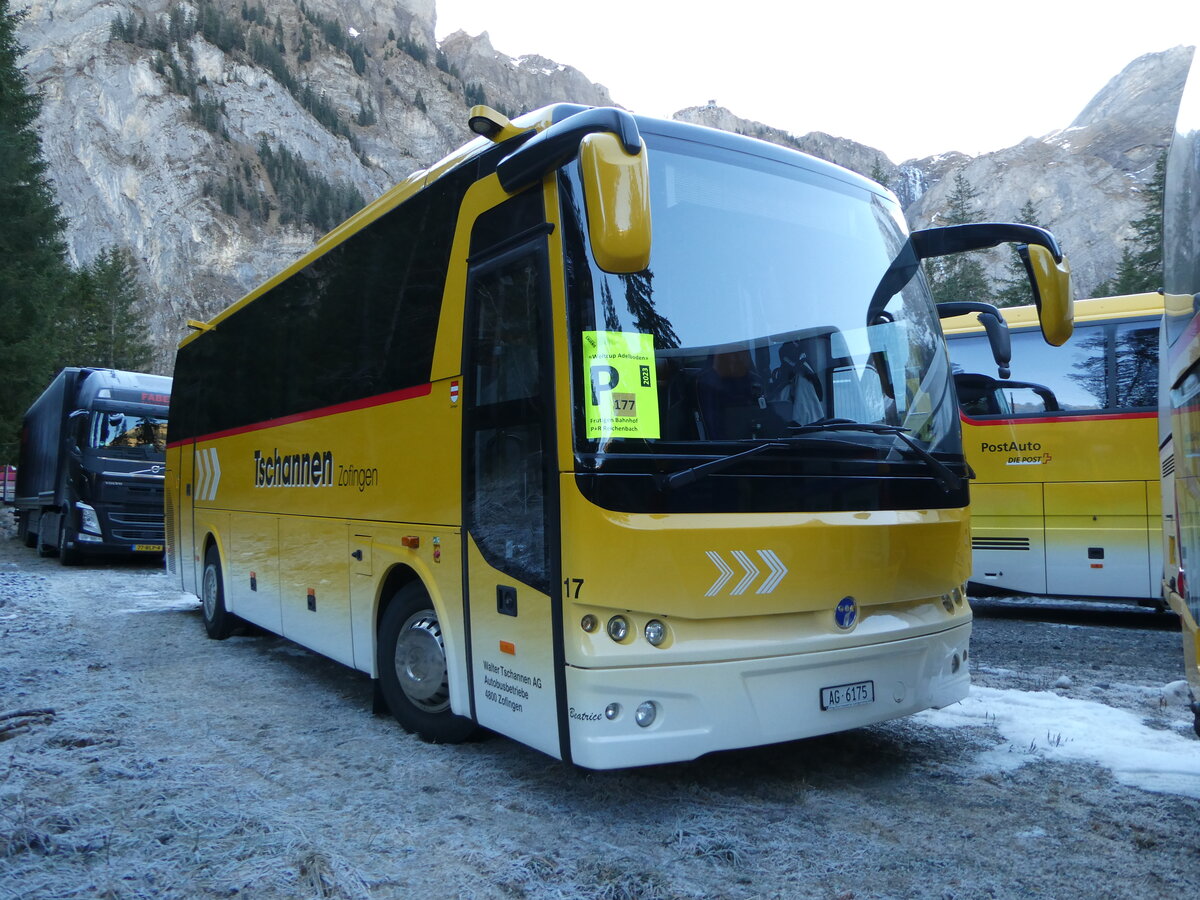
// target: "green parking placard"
[[621, 385]]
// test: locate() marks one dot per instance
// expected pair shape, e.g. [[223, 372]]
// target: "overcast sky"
[[909, 79]]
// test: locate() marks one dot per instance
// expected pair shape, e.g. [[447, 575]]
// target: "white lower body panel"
[[744, 703]]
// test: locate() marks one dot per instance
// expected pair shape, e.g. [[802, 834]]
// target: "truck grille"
[[137, 528]]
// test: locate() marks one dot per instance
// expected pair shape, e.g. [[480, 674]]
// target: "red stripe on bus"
[[421, 390], [1108, 417]]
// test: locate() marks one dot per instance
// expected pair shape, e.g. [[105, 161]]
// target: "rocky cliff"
[[165, 123]]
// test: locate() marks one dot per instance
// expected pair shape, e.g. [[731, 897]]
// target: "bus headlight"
[[618, 628], [948, 603], [612, 711], [646, 713], [656, 632], [588, 623]]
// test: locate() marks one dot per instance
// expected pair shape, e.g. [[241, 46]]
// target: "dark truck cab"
[[90, 473]]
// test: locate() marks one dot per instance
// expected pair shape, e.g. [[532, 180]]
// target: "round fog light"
[[947, 603], [618, 628], [656, 632], [612, 711], [646, 713], [588, 623]]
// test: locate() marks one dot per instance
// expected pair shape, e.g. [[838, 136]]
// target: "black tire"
[[413, 676], [218, 621], [23, 532], [44, 549], [68, 556]]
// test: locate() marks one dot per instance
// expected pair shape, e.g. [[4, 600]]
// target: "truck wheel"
[[23, 532], [68, 556], [43, 548], [218, 621], [413, 675]]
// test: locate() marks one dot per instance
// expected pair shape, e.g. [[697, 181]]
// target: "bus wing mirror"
[[993, 324], [616, 189], [1051, 281], [1047, 267]]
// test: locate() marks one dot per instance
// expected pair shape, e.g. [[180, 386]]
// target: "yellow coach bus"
[[1066, 498], [628, 439], [1180, 390]]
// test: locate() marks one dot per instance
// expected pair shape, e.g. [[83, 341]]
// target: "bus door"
[[509, 484], [181, 494]]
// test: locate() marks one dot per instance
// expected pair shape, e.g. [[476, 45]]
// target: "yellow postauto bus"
[[629, 439], [1066, 498], [1180, 384]]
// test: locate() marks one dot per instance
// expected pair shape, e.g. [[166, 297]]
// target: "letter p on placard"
[[624, 358]]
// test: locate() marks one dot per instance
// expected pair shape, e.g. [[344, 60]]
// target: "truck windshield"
[[122, 434], [751, 321]]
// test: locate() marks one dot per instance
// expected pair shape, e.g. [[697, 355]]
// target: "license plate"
[[148, 548], [844, 695]]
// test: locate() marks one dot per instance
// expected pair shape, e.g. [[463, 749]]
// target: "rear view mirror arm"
[[558, 143]]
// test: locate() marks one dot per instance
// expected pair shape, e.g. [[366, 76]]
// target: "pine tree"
[[100, 319], [1014, 283], [960, 276], [33, 265], [1148, 229], [1141, 266]]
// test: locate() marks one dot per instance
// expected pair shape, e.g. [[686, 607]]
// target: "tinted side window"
[[1105, 367], [358, 322]]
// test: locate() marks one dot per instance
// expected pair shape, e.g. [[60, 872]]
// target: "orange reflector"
[[508, 647], [411, 541], [1097, 565]]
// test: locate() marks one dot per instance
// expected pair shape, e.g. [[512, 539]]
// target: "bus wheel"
[[218, 621], [413, 674]]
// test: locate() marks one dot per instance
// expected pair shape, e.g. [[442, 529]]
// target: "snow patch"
[[1042, 725]]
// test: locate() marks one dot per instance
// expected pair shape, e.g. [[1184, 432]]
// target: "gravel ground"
[[146, 761]]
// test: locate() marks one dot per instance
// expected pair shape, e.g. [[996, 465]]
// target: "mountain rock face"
[[164, 124], [1085, 181]]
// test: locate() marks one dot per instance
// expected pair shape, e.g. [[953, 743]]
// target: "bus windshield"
[[750, 322]]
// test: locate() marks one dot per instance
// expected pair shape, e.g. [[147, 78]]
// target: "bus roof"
[[1094, 309], [534, 121]]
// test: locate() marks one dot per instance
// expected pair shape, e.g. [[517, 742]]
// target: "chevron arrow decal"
[[726, 574], [750, 572], [778, 570], [208, 474]]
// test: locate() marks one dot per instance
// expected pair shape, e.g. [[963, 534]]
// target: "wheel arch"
[[450, 618], [398, 576]]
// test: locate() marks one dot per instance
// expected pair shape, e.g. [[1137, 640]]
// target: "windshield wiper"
[[942, 474], [687, 476]]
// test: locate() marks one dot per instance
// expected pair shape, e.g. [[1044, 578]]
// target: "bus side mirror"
[[1048, 270], [615, 175], [993, 324], [616, 190], [1051, 281]]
